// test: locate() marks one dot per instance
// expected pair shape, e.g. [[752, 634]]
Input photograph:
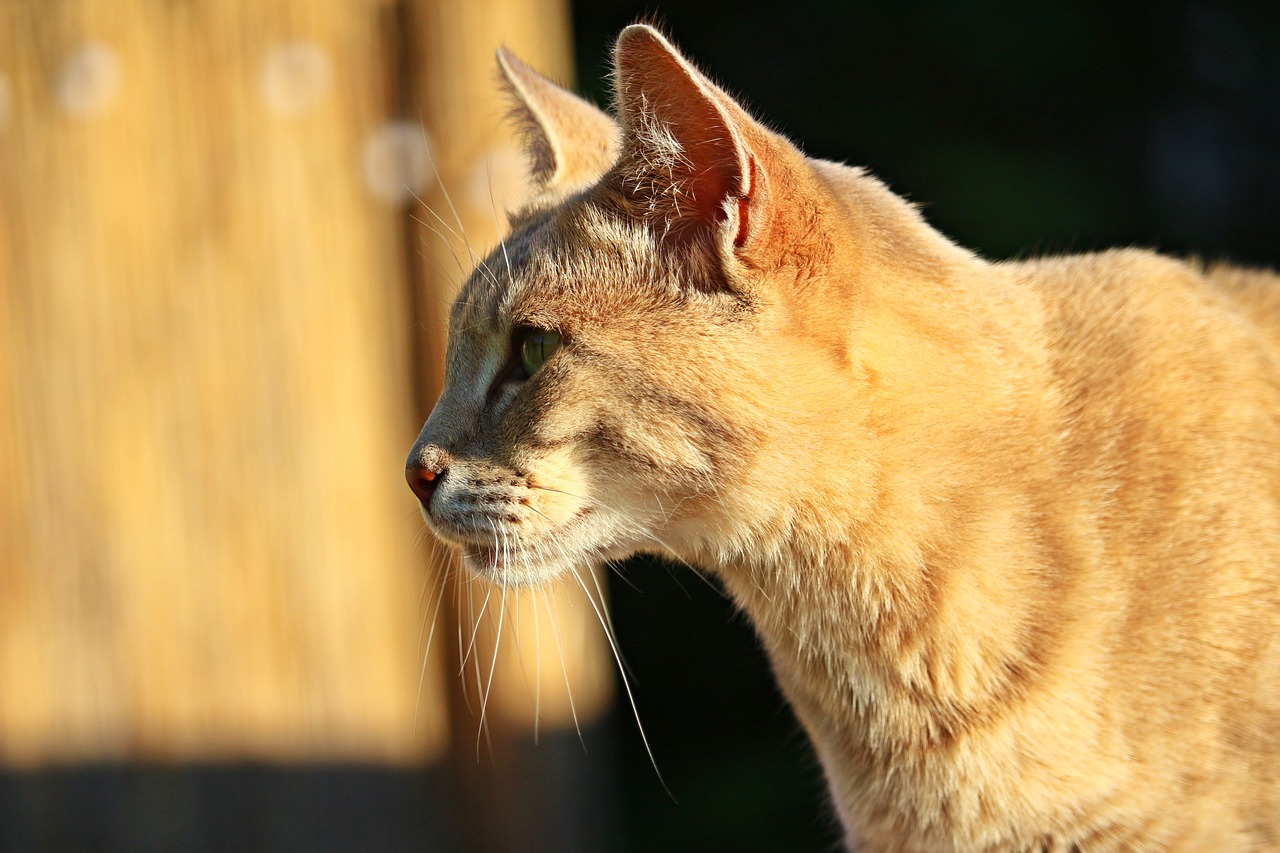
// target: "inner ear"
[[679, 129], [684, 153]]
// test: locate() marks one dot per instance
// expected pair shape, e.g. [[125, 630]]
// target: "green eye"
[[536, 346]]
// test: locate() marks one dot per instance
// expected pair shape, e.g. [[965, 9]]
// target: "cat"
[[1009, 532]]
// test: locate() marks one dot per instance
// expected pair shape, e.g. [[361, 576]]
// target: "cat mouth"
[[523, 560], [518, 566], [501, 563]]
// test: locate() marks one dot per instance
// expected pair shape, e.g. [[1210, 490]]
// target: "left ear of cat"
[[569, 142]]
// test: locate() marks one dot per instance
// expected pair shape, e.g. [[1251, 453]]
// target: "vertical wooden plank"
[[204, 539]]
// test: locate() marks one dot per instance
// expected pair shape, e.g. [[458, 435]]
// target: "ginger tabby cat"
[[1009, 532]]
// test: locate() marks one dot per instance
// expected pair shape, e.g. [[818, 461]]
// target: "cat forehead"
[[565, 267]]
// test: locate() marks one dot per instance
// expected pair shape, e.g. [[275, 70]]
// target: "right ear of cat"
[[684, 149]]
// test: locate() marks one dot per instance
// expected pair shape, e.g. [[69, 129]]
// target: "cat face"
[[624, 373], [621, 439]]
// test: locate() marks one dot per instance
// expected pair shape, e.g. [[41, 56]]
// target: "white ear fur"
[[685, 152], [569, 142]]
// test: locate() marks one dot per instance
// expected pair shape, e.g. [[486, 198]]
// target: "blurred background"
[[226, 256]]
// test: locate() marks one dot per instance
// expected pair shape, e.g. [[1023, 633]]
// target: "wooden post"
[[205, 540], [212, 321]]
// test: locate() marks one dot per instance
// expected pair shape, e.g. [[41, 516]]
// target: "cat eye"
[[536, 346]]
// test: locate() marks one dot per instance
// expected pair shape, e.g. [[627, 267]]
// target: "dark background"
[[1024, 129]]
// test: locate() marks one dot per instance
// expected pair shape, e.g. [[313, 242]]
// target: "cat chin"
[[520, 569], [576, 546], [514, 568]]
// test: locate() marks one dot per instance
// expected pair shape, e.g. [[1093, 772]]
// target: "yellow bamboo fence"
[[221, 326]]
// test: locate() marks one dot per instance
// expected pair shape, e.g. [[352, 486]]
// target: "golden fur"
[[1010, 532]]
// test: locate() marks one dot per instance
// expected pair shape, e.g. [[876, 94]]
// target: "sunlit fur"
[[1010, 532]]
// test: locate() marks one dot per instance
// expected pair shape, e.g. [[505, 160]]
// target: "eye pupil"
[[536, 346]]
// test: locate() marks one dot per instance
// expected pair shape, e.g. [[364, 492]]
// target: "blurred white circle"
[[90, 80], [398, 161], [6, 101], [296, 76]]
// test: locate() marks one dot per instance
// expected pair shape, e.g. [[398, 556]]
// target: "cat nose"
[[423, 482], [424, 470]]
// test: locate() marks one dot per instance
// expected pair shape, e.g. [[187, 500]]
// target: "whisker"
[[613, 567], [555, 627], [428, 577], [457, 607], [493, 664], [426, 655], [423, 535], [696, 571], [560, 492], [607, 621], [498, 225], [443, 239], [626, 682], [475, 629], [537, 671], [446, 225], [445, 191]]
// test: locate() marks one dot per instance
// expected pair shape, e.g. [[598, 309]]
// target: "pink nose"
[[423, 481]]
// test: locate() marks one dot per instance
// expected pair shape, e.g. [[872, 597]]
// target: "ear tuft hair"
[[686, 160]]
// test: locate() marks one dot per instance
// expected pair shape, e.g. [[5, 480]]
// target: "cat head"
[[640, 365]]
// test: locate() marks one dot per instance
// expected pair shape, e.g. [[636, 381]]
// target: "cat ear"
[[569, 142], [690, 153]]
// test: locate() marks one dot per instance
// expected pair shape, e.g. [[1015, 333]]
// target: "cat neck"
[[904, 517]]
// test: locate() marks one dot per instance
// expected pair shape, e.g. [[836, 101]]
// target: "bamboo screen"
[[220, 331]]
